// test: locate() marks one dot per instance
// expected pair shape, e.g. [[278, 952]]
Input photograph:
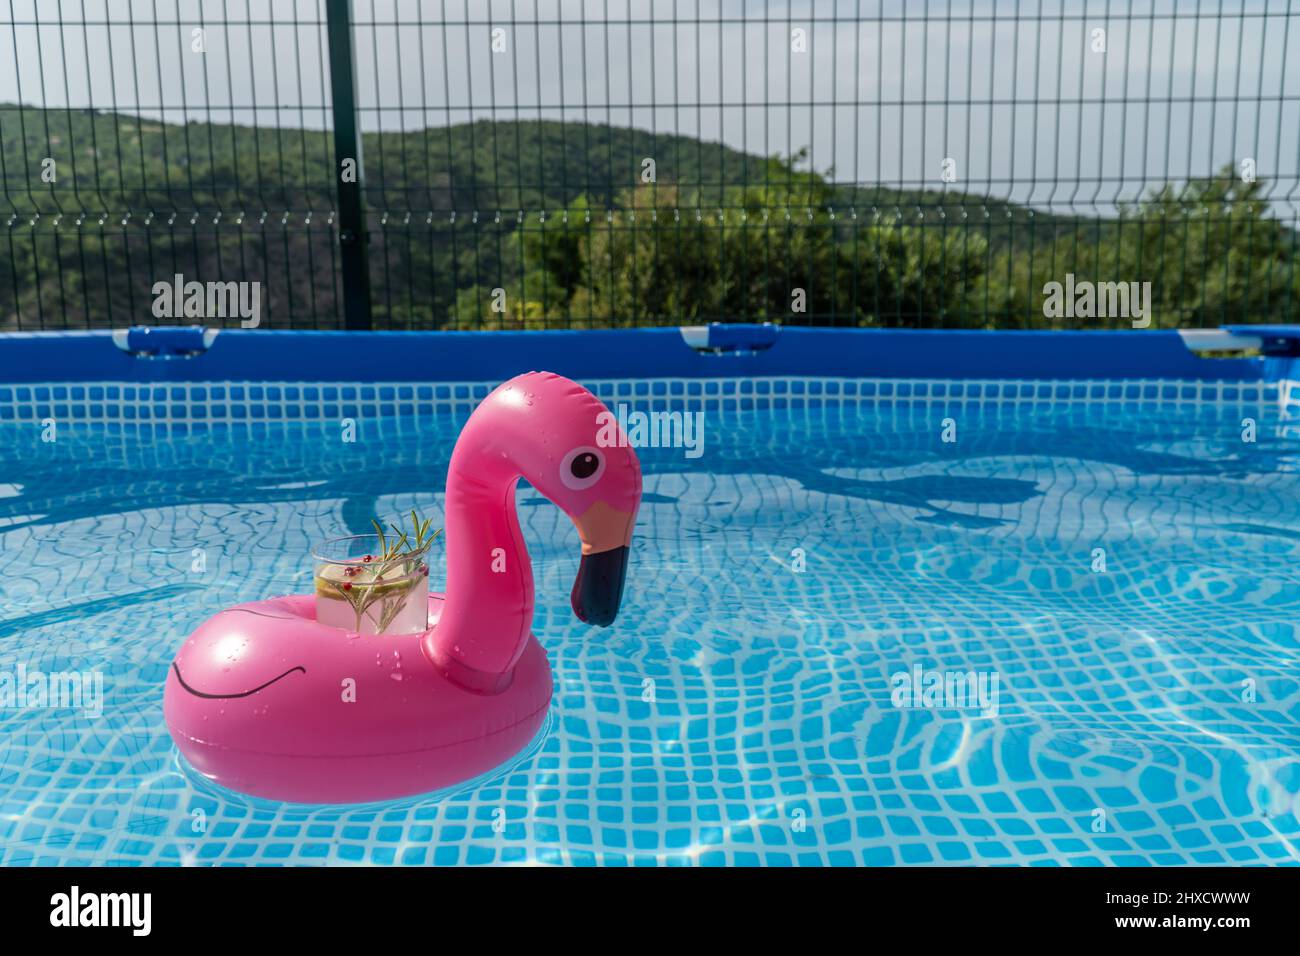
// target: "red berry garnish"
[[347, 585]]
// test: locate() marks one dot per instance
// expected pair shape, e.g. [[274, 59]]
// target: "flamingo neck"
[[487, 616]]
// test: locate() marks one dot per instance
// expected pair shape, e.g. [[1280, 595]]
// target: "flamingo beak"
[[606, 536], [598, 588]]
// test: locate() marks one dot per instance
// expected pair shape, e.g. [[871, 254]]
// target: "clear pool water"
[[740, 711]]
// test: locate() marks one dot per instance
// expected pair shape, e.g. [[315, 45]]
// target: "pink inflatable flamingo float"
[[265, 700]]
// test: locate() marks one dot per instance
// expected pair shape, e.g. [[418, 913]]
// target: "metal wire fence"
[[578, 163]]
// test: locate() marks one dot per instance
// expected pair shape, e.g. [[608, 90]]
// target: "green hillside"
[[539, 224]]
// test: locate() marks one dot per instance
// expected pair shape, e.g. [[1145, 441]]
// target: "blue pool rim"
[[717, 351]]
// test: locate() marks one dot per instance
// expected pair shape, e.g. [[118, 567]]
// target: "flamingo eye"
[[582, 467]]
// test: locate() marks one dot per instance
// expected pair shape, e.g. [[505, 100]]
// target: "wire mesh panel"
[[145, 141], [579, 163]]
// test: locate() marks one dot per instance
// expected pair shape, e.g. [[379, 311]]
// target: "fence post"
[[353, 238]]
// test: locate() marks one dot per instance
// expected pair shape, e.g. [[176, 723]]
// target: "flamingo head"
[[570, 447]]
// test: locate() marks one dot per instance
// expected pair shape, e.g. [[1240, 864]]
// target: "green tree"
[[1211, 250]]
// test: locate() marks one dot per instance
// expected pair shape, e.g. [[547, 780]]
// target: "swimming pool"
[[744, 709]]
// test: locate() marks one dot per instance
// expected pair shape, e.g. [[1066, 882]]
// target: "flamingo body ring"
[[264, 699]]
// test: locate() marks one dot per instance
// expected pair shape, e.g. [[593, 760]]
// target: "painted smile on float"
[[247, 693]]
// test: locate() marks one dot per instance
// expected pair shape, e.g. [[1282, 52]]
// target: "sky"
[[1025, 98]]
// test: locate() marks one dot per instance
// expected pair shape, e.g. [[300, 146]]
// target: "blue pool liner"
[[718, 351]]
